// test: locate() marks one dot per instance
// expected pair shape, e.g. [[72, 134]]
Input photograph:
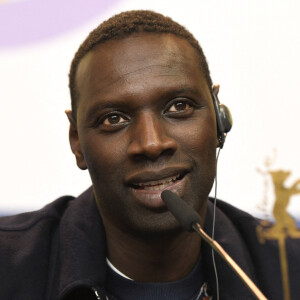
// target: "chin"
[[154, 226]]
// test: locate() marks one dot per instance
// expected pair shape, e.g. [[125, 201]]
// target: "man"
[[142, 121]]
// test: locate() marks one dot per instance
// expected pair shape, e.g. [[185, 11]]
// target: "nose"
[[149, 138]]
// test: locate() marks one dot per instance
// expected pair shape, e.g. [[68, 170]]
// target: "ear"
[[218, 143], [74, 141], [215, 90]]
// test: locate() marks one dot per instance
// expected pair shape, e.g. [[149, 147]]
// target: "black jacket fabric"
[[59, 252]]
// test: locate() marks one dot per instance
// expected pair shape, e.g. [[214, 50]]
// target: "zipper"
[[97, 295]]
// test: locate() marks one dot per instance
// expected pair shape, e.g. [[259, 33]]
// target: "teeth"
[[158, 185]]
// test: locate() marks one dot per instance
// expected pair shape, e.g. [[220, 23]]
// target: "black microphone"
[[184, 213], [191, 221]]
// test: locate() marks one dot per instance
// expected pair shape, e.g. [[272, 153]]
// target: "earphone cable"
[[213, 227]]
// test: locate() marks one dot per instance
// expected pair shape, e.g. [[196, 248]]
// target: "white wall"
[[253, 51]]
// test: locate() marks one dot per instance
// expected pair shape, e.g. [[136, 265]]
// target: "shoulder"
[[29, 244], [268, 249], [236, 215], [25, 221], [31, 230], [51, 213]]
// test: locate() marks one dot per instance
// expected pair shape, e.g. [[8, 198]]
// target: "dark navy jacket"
[[59, 252]]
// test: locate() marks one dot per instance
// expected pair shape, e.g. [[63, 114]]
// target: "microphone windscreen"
[[184, 213]]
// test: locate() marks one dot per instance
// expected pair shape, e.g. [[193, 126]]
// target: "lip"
[[152, 198], [155, 175]]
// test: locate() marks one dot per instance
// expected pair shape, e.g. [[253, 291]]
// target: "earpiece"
[[224, 119]]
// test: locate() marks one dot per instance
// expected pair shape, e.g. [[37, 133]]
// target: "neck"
[[166, 259]]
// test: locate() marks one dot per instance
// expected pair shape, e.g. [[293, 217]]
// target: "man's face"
[[145, 123]]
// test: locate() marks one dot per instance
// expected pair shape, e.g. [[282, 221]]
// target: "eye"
[[180, 108], [114, 119]]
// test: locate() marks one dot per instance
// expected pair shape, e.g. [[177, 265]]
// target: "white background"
[[253, 50]]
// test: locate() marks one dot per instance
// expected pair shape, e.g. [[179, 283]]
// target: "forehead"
[[116, 63]]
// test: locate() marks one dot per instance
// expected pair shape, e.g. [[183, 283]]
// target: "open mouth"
[[157, 185], [146, 186]]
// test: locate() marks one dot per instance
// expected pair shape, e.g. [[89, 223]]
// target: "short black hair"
[[125, 24]]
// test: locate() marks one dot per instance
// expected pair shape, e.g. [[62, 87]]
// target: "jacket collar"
[[81, 256], [228, 236]]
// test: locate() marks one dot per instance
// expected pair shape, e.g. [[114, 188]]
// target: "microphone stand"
[[218, 248]]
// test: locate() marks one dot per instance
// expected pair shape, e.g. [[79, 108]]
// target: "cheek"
[[104, 156], [199, 144], [199, 139]]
